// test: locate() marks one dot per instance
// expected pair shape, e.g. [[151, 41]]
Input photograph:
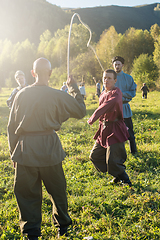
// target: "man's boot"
[[133, 147], [62, 231], [125, 179], [115, 180], [30, 237]]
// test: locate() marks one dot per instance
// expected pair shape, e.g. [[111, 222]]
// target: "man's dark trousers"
[[129, 124], [28, 192]]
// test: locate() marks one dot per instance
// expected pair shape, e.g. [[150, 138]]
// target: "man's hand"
[[70, 80]]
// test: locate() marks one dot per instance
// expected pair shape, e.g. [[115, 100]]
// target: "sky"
[[94, 3]]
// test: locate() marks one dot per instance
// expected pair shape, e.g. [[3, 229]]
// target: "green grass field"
[[97, 208]]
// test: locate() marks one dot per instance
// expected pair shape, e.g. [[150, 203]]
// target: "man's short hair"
[[111, 71], [118, 58]]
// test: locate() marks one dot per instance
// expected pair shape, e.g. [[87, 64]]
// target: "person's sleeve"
[[107, 106], [12, 137], [130, 93], [71, 105], [11, 98]]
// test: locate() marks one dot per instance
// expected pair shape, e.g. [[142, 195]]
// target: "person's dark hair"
[[111, 71], [118, 58]]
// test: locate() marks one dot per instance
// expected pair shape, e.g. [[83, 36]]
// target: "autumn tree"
[[44, 41], [13, 57], [106, 46], [5, 60], [55, 48], [155, 31], [145, 70], [85, 66], [23, 55], [132, 44]]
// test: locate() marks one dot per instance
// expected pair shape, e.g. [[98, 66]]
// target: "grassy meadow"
[[97, 208]]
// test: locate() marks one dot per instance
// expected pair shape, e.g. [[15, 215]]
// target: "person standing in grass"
[[37, 112], [144, 90], [108, 153], [20, 79], [128, 87], [98, 87], [82, 90], [64, 87]]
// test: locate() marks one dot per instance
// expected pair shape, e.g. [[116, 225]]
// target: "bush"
[[145, 70]]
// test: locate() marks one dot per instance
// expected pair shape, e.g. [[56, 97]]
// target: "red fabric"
[[110, 109]]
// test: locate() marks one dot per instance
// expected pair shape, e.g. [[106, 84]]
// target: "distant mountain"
[[101, 18], [22, 19]]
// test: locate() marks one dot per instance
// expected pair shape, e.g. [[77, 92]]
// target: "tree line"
[[139, 48]]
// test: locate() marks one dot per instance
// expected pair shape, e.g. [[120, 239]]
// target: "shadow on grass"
[[145, 161], [141, 188], [150, 115], [144, 114]]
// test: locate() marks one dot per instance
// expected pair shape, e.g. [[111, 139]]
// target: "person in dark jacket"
[[144, 90]]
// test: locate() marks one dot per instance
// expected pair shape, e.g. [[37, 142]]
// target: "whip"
[[88, 44]]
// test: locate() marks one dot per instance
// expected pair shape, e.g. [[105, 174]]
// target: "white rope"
[[69, 36]]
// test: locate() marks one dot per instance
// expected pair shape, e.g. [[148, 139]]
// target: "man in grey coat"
[[37, 113]]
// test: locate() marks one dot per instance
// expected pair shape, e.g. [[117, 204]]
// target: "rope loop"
[[88, 44]]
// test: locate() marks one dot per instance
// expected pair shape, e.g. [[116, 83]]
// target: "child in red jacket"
[[108, 153]]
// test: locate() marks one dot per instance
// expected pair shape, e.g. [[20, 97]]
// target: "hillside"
[[101, 18], [22, 19]]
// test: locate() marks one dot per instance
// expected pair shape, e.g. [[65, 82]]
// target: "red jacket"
[[112, 128]]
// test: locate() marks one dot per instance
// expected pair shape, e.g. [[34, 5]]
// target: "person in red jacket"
[[108, 153]]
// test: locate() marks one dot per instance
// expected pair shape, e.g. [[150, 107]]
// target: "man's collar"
[[120, 73]]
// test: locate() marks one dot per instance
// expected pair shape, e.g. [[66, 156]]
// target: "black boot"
[[133, 147], [125, 179], [62, 231], [31, 237], [115, 180]]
